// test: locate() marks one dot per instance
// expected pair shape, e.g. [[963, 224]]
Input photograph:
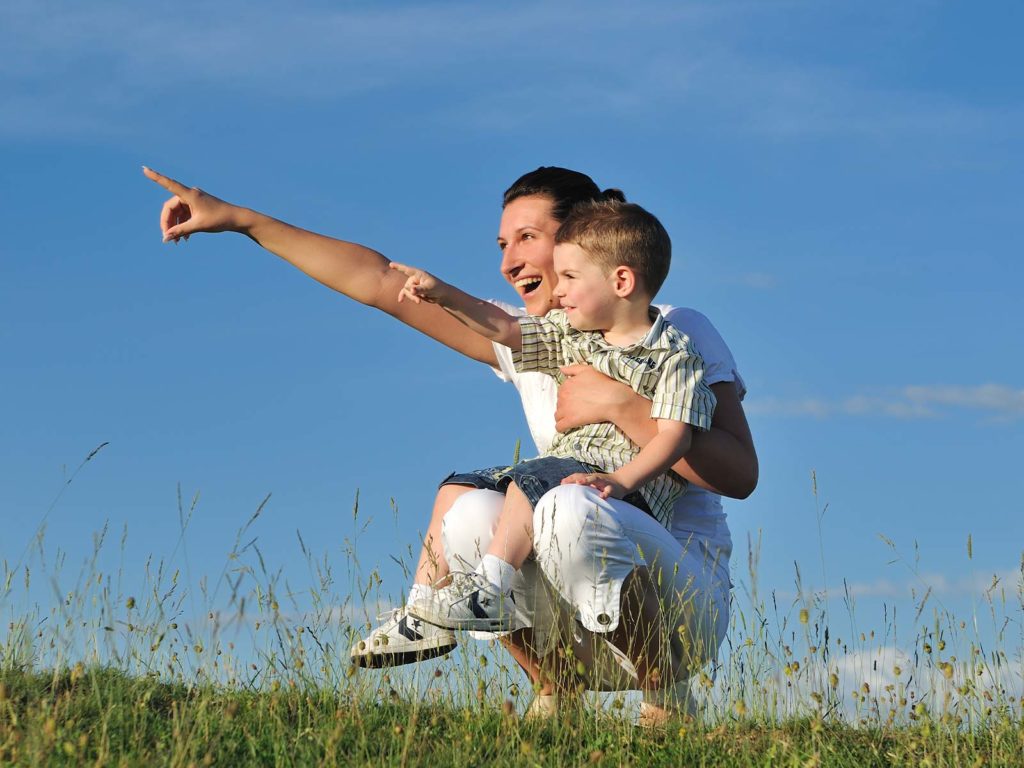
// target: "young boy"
[[611, 258]]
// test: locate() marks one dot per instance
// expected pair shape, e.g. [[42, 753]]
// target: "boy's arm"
[[478, 315], [655, 458], [722, 460]]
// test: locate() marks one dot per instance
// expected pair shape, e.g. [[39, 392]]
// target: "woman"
[[689, 567]]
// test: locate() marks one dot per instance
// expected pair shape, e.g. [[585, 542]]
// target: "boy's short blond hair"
[[616, 233]]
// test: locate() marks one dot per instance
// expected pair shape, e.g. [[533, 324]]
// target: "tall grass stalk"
[[155, 668]]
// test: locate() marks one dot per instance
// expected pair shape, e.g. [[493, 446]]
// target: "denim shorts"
[[534, 477]]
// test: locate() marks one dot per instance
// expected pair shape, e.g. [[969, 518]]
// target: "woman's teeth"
[[527, 284]]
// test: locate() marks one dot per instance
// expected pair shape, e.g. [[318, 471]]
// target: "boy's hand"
[[606, 483], [419, 285]]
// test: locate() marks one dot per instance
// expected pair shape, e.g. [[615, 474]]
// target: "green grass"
[[247, 669], [102, 716]]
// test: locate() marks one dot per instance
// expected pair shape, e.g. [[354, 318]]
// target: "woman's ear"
[[624, 281]]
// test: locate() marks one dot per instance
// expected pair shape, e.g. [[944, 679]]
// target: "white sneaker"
[[469, 602], [401, 639]]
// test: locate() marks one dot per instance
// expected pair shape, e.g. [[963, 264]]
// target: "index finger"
[[406, 270], [175, 187]]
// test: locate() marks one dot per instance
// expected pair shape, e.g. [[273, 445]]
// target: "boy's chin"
[[579, 323]]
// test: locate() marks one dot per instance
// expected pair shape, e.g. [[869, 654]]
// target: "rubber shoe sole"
[[395, 643]]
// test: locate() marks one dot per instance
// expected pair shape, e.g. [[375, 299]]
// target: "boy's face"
[[586, 291]]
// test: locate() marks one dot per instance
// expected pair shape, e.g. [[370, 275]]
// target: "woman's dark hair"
[[564, 188]]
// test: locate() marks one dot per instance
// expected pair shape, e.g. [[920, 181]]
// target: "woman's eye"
[[527, 236]]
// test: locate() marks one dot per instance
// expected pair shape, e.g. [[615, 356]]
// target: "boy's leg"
[[467, 531], [483, 600], [403, 639], [513, 540]]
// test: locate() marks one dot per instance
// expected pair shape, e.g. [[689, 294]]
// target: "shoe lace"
[[389, 614], [463, 583]]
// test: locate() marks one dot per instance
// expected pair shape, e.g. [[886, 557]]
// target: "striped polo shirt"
[[663, 367]]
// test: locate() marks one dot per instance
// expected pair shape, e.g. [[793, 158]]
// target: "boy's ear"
[[624, 281]]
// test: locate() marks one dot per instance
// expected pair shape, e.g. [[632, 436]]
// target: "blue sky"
[[842, 182]]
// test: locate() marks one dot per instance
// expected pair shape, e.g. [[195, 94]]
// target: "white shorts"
[[584, 548]]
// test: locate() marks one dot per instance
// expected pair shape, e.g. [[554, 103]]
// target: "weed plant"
[[245, 669]]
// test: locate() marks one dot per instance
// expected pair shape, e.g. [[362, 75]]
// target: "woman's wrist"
[[246, 221]]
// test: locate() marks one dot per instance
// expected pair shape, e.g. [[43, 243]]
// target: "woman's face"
[[526, 237]]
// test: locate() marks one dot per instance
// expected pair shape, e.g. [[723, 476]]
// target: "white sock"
[[420, 592], [497, 572]]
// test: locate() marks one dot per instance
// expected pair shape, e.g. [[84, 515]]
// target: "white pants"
[[584, 548]]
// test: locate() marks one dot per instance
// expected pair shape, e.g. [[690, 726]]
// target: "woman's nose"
[[510, 262]]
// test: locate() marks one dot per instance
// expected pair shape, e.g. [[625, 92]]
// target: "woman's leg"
[[433, 566], [629, 580]]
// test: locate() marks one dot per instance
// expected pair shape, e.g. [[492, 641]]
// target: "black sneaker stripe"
[[406, 631], [477, 609]]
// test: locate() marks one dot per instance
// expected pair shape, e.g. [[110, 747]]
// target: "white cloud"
[[997, 402], [79, 69], [880, 676], [976, 585]]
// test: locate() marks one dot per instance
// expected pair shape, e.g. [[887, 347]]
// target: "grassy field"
[[101, 716], [238, 670]]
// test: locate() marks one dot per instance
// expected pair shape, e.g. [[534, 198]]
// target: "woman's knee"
[[563, 512], [468, 526]]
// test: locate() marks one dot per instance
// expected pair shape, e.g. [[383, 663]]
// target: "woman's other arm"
[[358, 272], [722, 460]]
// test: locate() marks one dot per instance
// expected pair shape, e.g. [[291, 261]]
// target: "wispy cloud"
[[71, 70], [997, 402], [884, 674], [979, 585]]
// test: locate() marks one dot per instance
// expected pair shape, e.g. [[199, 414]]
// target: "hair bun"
[[614, 194]]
